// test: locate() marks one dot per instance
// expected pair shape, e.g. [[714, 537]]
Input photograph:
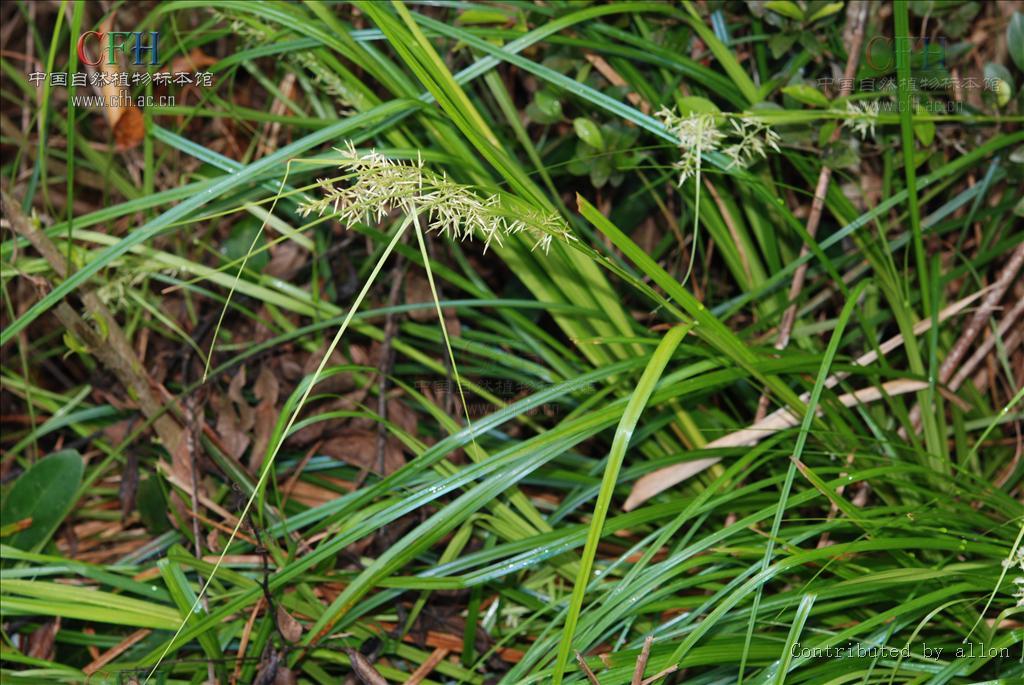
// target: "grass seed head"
[[754, 140], [864, 117], [379, 185], [699, 133], [1017, 560]]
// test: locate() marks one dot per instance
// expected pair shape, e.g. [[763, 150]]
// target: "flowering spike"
[[865, 116], [380, 185], [698, 133]]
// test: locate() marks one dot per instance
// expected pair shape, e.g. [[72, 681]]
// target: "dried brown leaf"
[[42, 640], [123, 117], [657, 481], [266, 388], [285, 676], [267, 391], [229, 427], [291, 629], [181, 463], [358, 447], [285, 261], [337, 383], [417, 291], [193, 61], [129, 484], [319, 429], [402, 416], [129, 128], [363, 669], [236, 385]]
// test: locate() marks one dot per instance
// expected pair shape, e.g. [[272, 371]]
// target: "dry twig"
[[113, 349]]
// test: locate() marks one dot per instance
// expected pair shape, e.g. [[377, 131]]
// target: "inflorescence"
[[699, 133], [380, 185], [864, 117], [1017, 560]]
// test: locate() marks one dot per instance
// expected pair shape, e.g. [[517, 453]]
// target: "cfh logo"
[[105, 45]]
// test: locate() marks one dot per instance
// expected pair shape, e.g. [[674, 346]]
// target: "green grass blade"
[[623, 434], [801, 442]]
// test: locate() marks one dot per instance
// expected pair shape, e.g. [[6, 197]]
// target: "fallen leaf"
[[337, 383], [235, 418], [366, 357], [229, 427], [417, 291], [286, 260], [246, 416], [291, 369], [123, 117], [129, 128], [267, 391], [318, 429], [363, 669], [41, 641], [129, 484], [273, 671], [236, 385], [193, 61], [290, 629], [313, 495], [657, 481], [117, 432], [213, 540], [402, 416], [181, 463], [285, 676], [266, 388], [359, 448]]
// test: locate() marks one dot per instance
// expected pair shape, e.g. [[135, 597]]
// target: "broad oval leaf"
[[924, 129], [548, 103], [45, 494], [1015, 39], [1001, 82], [696, 104], [809, 95], [588, 132], [786, 8], [826, 11]]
